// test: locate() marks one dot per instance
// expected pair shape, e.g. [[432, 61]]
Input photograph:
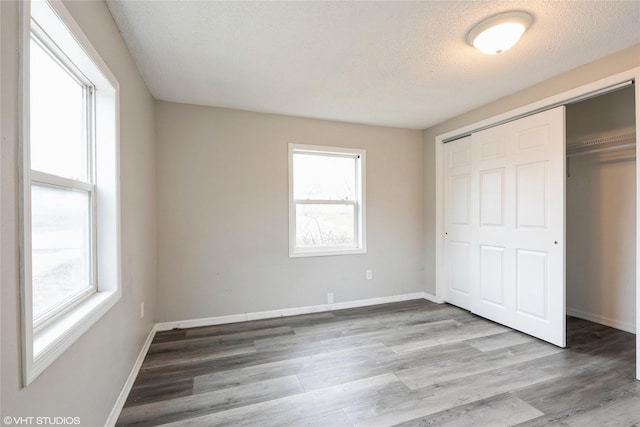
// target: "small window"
[[326, 201]]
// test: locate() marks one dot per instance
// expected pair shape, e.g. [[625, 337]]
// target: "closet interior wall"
[[601, 209]]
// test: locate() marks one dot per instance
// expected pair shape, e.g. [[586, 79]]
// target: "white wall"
[[86, 380], [599, 69], [601, 214], [601, 239], [223, 214]]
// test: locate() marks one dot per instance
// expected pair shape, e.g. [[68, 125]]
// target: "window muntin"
[[326, 201], [62, 190]]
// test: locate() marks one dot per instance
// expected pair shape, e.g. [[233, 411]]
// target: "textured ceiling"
[[403, 64]]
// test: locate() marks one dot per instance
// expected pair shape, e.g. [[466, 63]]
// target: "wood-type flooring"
[[411, 363]]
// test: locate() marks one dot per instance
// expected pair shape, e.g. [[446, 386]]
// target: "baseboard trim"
[[124, 393], [259, 315], [613, 323], [432, 298]]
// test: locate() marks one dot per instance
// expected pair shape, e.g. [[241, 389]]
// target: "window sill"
[[329, 252], [51, 341]]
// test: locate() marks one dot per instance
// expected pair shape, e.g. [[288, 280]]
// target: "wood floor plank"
[[333, 419], [371, 332], [232, 328], [406, 363], [243, 337], [294, 366], [193, 355], [466, 364], [500, 411], [141, 394], [174, 372], [621, 412], [499, 341], [578, 391], [157, 413], [319, 377], [443, 396], [171, 335], [292, 409], [389, 320], [469, 331], [605, 396]]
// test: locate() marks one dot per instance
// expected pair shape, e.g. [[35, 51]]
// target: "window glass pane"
[[61, 242], [324, 225], [58, 144], [321, 177]]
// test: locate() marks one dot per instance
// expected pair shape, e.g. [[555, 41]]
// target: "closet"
[[601, 209], [539, 217]]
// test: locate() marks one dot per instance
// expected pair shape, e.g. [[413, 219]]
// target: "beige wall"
[[223, 214], [604, 67], [86, 380]]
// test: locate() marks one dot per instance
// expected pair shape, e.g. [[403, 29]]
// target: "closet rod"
[[603, 149]]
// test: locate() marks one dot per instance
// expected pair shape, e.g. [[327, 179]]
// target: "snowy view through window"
[[323, 183], [60, 215]]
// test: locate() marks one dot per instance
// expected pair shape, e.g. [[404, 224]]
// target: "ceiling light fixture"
[[500, 32]]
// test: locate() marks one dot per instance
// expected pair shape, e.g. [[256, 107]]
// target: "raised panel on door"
[[458, 272], [460, 199], [532, 284], [492, 198], [492, 269], [492, 148], [518, 173], [458, 222], [532, 195]]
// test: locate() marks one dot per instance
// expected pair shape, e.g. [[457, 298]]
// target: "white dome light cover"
[[500, 32]]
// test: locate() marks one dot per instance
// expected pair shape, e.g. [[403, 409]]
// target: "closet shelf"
[[601, 144]]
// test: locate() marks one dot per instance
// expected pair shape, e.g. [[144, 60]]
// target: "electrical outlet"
[[142, 310], [369, 274], [330, 298]]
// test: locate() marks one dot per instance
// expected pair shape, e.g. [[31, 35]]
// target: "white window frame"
[[44, 340], [60, 182], [360, 246]]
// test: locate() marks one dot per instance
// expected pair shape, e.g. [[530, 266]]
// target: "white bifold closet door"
[[504, 224]]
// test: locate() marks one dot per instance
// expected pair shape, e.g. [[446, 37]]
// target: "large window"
[[69, 196], [326, 201], [62, 186]]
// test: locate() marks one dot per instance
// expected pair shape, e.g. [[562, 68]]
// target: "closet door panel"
[[458, 223], [517, 177], [492, 180]]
